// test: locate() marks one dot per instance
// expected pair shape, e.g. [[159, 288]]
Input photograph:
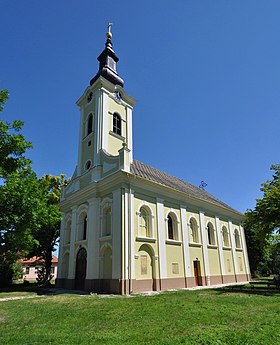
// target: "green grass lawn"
[[182, 317]]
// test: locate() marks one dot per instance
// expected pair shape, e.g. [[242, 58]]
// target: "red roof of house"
[[34, 259]]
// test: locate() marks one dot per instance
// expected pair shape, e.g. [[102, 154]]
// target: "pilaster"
[[125, 229], [60, 253], [233, 247], [132, 234], [161, 239], [93, 219], [101, 124], [245, 253], [129, 133], [116, 234], [81, 136], [185, 239], [204, 247], [72, 258], [220, 246]]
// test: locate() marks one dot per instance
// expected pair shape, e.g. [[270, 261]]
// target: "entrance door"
[[81, 269], [197, 273]]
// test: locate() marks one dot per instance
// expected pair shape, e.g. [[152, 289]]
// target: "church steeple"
[[108, 63]]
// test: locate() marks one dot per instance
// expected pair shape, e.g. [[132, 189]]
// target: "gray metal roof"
[[149, 173]]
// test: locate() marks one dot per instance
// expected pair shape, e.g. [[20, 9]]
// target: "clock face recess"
[[118, 96]]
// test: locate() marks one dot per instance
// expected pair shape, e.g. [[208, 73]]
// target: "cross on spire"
[[109, 33]]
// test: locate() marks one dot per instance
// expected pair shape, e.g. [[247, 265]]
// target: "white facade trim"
[[161, 239], [72, 258], [233, 247], [132, 235], [61, 251], [204, 247], [185, 237], [244, 246], [80, 146], [220, 245], [126, 234], [92, 239], [116, 234], [129, 133]]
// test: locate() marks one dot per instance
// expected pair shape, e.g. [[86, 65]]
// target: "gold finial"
[[109, 34]]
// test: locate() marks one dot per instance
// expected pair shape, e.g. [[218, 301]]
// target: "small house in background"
[[32, 265]]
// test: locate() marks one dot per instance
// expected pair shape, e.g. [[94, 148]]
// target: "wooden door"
[[81, 269], [197, 273]]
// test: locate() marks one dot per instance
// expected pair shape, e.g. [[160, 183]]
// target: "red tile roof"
[[35, 259]]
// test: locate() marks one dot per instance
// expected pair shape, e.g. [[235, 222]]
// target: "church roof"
[[145, 171]]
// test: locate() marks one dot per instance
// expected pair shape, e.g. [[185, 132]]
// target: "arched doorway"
[[81, 269], [145, 270], [106, 268]]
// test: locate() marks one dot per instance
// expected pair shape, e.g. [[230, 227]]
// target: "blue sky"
[[205, 74]]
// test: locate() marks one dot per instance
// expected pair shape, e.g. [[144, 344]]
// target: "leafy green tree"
[[47, 233], [20, 209], [29, 213], [262, 222], [12, 143], [17, 205]]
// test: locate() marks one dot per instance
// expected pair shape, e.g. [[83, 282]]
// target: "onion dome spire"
[[108, 62]]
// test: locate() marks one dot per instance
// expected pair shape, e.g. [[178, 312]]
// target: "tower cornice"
[[103, 83]]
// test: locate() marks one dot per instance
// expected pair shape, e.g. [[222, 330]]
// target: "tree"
[[29, 213], [47, 233], [12, 144], [20, 209], [16, 195], [262, 223]]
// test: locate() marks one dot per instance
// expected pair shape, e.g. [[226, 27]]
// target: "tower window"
[[89, 124], [87, 165], [117, 123]]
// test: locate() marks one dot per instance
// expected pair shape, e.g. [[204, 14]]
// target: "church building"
[[128, 227]]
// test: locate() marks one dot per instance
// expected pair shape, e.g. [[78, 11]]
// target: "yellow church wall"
[[174, 261], [141, 200], [113, 107], [224, 223], [114, 144], [228, 261], [214, 262], [212, 220], [194, 215], [240, 262], [144, 266], [114, 141], [196, 254], [175, 210]]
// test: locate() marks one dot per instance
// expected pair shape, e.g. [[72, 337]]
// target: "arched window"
[[225, 236], [172, 227], [117, 124], [237, 238], [211, 234], [145, 223], [82, 227], [193, 231], [106, 221], [88, 164], [89, 124]]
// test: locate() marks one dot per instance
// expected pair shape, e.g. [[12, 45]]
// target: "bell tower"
[[105, 116]]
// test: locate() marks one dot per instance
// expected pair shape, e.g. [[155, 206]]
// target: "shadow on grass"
[[247, 289], [39, 290]]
